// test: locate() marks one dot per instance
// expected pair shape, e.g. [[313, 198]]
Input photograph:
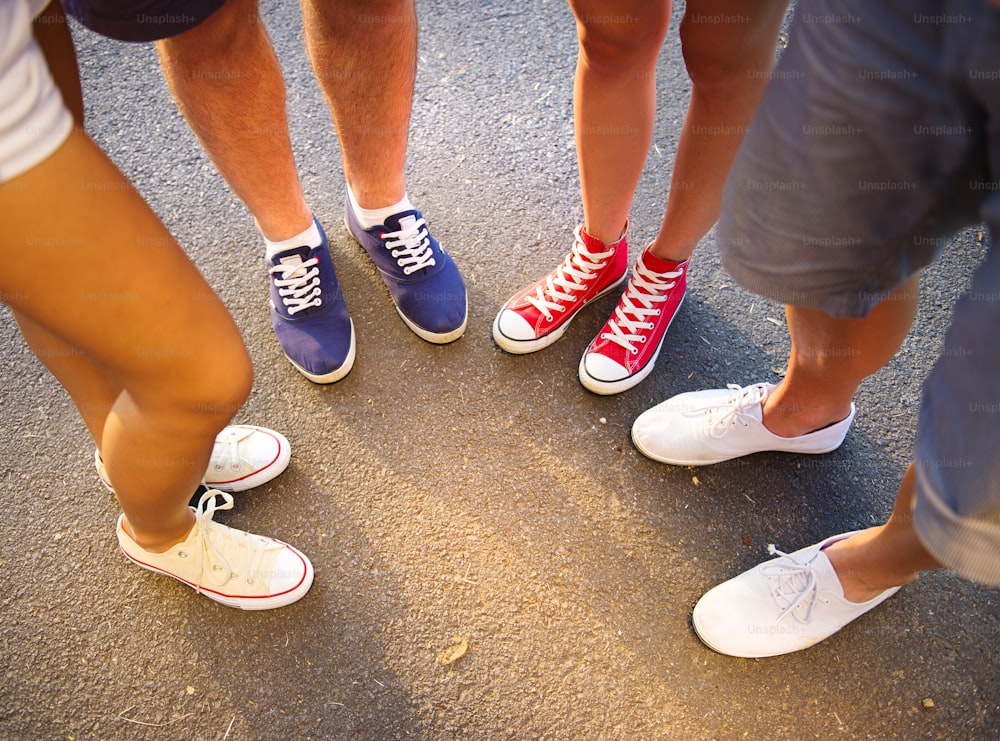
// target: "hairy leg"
[[226, 79], [364, 54]]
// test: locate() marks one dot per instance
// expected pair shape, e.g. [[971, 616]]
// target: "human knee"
[[616, 42], [715, 61], [231, 27], [222, 385], [201, 386]]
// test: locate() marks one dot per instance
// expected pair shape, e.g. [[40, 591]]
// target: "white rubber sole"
[[438, 339], [608, 388], [332, 376]]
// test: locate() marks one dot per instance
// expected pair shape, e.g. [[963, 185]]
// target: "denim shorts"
[[876, 140], [140, 20]]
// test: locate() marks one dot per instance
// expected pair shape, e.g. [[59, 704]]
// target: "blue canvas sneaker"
[[309, 314], [422, 278]]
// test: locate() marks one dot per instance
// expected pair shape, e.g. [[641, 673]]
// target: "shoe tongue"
[[293, 256], [756, 412], [593, 244], [658, 264], [403, 221]]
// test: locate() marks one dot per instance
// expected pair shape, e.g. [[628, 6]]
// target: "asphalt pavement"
[[459, 491]]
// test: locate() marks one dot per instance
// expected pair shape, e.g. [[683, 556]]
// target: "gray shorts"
[[140, 20], [877, 139]]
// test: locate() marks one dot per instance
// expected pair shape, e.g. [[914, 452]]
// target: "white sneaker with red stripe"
[[625, 350], [230, 566], [244, 456], [539, 315]]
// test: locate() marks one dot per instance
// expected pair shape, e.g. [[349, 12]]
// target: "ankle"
[[861, 575], [784, 417], [159, 541], [284, 225], [659, 264], [609, 237], [308, 237], [670, 252]]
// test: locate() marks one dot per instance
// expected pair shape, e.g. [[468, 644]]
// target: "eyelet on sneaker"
[[631, 339], [316, 336], [245, 456], [422, 278], [182, 554], [590, 270]]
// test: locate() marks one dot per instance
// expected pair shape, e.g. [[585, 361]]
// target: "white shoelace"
[[792, 583], [231, 445], [635, 306], [733, 409], [298, 285], [580, 267], [411, 245], [213, 541]]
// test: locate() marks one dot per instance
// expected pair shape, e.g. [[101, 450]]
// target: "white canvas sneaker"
[[702, 427], [232, 567], [244, 456], [780, 606]]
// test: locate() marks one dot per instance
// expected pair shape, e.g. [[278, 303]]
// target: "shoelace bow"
[[411, 246], [792, 583], [636, 305], [579, 268], [232, 443], [212, 539], [733, 408], [298, 285]]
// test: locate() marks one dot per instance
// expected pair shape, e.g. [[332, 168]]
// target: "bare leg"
[[92, 389], [889, 555], [119, 297], [830, 358], [615, 104], [227, 82], [89, 386], [364, 54], [729, 50]]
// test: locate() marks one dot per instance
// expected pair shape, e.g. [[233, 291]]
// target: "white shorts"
[[34, 121]]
